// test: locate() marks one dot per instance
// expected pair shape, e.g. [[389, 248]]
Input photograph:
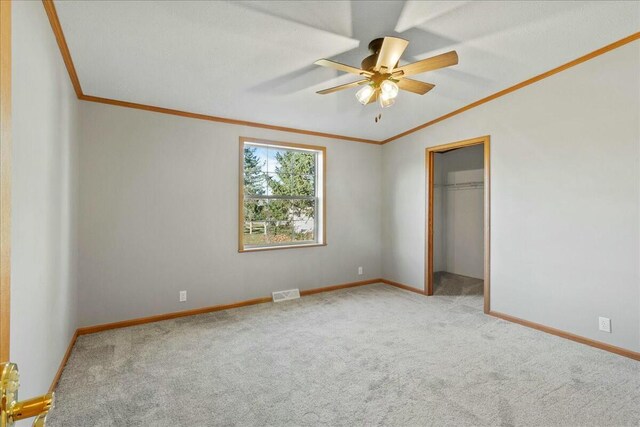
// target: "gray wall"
[[565, 198], [45, 179], [158, 214]]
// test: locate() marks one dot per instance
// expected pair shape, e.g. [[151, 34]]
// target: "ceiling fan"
[[383, 78]]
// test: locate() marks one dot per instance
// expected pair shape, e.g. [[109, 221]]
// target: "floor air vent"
[[285, 295]]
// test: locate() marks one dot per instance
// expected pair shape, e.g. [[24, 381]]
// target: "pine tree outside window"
[[281, 195]]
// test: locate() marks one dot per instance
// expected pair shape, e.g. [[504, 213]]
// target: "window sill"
[[272, 248]]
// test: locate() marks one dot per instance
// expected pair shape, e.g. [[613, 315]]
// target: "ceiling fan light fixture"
[[383, 76], [386, 101], [389, 89], [364, 95]]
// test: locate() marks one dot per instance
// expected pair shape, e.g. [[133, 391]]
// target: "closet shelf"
[[462, 185]]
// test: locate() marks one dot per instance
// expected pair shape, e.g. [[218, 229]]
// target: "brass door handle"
[[35, 407], [11, 409], [40, 421]]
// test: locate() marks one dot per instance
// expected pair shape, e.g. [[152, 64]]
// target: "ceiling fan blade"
[[341, 87], [390, 52], [415, 86], [342, 67], [433, 63]]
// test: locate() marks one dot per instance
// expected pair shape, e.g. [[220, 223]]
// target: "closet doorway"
[[458, 220]]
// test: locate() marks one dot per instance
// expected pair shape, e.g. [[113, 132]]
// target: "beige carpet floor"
[[372, 355]]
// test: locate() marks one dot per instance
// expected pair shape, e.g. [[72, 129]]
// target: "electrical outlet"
[[359, 271], [183, 296], [604, 324]]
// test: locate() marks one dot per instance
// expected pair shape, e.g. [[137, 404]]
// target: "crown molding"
[[221, 119], [52, 14], [66, 56], [520, 85]]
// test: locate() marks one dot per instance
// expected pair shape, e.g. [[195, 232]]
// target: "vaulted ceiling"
[[254, 60]]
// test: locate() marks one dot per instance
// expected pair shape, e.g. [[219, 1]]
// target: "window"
[[281, 195]]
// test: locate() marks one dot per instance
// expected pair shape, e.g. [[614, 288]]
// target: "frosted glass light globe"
[[389, 89], [385, 101], [364, 95]]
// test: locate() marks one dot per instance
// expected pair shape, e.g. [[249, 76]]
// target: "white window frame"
[[320, 195]]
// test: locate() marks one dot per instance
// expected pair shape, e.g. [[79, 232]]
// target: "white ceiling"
[[254, 60]]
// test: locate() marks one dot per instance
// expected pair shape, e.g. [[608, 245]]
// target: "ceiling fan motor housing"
[[370, 61]]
